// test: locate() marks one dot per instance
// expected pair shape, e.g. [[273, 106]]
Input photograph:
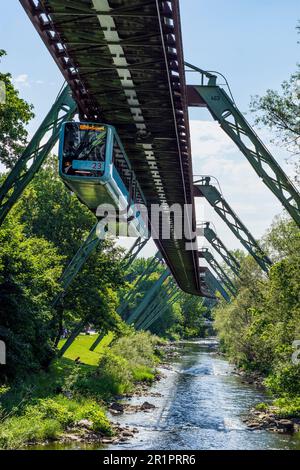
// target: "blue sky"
[[253, 43]]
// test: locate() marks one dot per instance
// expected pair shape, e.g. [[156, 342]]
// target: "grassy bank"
[[69, 396]]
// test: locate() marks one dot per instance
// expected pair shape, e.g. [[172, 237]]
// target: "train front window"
[[84, 149]]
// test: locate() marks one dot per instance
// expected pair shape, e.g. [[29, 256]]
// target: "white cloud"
[[22, 81]]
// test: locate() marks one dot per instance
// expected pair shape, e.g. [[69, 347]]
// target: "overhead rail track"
[[123, 61]]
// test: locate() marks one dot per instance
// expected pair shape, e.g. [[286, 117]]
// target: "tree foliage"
[[15, 114]]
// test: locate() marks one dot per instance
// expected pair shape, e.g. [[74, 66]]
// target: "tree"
[[15, 114]]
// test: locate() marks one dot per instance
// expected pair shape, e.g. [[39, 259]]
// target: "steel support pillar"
[[149, 322], [224, 110], [98, 340], [134, 252], [160, 300], [93, 240], [145, 274], [220, 248], [148, 298], [36, 152], [216, 285], [223, 209], [76, 332], [205, 253]]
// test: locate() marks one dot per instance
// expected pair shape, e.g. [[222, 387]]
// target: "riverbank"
[[281, 415], [200, 403], [69, 401]]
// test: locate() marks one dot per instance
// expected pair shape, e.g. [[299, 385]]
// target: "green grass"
[[43, 406], [81, 348], [48, 418]]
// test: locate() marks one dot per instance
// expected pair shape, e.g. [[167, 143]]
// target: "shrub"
[[46, 419], [138, 350], [285, 380], [288, 408]]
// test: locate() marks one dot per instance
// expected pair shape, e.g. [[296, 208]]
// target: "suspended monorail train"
[[94, 165]]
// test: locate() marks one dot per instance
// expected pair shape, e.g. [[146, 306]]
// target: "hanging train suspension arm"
[[204, 188], [38, 149], [224, 110]]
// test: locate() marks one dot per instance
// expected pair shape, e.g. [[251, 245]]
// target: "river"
[[200, 405]]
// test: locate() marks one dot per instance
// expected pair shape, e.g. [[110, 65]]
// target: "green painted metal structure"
[[151, 267], [146, 301], [207, 255], [215, 285], [37, 151], [220, 248], [224, 110], [161, 299], [150, 321], [213, 196], [93, 240], [134, 251]]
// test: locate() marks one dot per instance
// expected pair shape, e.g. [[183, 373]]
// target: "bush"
[[47, 419], [285, 380], [288, 408]]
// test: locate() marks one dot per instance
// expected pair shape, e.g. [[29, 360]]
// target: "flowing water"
[[201, 407]]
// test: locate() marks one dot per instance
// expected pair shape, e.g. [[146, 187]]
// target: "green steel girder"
[[146, 273], [94, 239], [36, 152], [220, 248], [97, 341], [160, 300], [76, 332], [160, 312], [139, 244], [232, 121], [223, 209], [215, 285], [207, 255], [148, 298]]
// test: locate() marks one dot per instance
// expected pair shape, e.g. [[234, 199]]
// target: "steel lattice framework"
[[123, 61]]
